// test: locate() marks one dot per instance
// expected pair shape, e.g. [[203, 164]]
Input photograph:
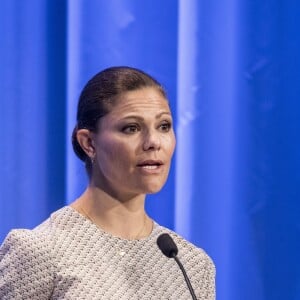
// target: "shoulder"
[[24, 239], [25, 266], [189, 250], [38, 239], [198, 264], [65, 219], [29, 258]]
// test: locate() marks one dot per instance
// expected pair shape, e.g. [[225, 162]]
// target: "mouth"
[[150, 164]]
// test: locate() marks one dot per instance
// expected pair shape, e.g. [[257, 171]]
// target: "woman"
[[103, 246]]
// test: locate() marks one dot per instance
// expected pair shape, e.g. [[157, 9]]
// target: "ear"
[[84, 138]]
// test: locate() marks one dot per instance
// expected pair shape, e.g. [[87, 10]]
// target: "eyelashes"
[[132, 128], [165, 126]]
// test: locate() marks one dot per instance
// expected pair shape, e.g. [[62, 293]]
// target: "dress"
[[69, 257]]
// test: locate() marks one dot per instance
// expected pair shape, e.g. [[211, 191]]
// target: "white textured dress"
[[69, 257]]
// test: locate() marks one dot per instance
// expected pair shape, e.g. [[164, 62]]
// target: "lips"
[[150, 164]]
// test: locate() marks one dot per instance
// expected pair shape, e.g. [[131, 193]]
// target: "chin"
[[153, 191], [151, 185], [153, 188]]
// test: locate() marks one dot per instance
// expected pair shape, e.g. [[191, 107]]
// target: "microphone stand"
[[185, 276]]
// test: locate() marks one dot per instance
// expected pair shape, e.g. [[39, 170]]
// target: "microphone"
[[168, 247]]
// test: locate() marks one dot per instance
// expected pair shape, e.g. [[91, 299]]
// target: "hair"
[[99, 96]]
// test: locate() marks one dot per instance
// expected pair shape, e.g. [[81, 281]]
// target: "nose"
[[151, 141]]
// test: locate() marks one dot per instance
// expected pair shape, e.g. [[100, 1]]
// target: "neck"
[[125, 219]]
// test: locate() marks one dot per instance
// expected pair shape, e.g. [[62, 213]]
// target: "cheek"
[[173, 143], [114, 153], [169, 144], [110, 153]]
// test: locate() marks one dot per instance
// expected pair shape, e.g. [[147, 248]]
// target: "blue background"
[[232, 71]]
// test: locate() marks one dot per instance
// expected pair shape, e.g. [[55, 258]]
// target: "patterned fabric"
[[69, 257]]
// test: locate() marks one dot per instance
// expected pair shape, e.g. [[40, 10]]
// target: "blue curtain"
[[33, 113], [232, 71]]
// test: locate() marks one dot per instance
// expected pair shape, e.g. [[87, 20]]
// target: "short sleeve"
[[25, 267]]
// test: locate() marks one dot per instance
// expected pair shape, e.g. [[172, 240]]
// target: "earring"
[[92, 160]]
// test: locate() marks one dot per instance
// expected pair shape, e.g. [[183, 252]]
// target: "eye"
[[165, 126], [131, 128]]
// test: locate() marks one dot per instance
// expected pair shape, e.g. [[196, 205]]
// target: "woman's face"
[[134, 144]]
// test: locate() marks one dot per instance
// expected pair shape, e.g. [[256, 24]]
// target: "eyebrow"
[[141, 118]]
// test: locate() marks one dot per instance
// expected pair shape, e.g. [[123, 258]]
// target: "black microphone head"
[[167, 246]]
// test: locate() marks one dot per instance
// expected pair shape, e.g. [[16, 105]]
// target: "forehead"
[[140, 101]]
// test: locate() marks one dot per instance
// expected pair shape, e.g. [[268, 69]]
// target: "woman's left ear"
[[85, 139]]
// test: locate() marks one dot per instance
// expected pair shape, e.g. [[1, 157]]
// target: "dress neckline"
[[155, 229]]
